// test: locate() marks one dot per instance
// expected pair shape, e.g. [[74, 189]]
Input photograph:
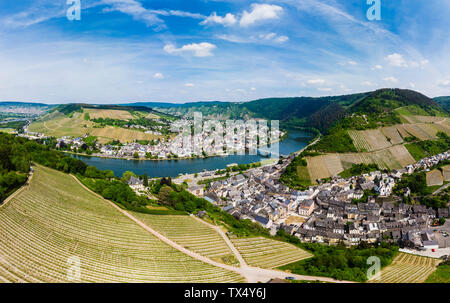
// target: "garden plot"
[[446, 173], [317, 168], [416, 132], [435, 178], [402, 155], [403, 132], [108, 113], [393, 134], [376, 139], [359, 141], [333, 164], [407, 268], [267, 253], [389, 160], [191, 234], [55, 219], [428, 129]]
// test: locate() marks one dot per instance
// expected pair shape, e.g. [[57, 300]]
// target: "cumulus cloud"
[[396, 60], [377, 67], [260, 12], [274, 37], [228, 20], [203, 49], [391, 79], [158, 76], [189, 84]]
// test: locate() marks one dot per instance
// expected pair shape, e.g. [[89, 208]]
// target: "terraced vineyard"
[[267, 253], [191, 234], [54, 219], [57, 125], [407, 268]]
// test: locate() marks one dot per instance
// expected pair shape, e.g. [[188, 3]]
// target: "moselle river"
[[165, 168]]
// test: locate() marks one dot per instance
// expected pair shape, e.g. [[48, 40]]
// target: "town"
[[184, 145], [325, 213]]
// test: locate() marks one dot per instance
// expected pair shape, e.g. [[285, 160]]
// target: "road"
[[251, 274], [441, 189]]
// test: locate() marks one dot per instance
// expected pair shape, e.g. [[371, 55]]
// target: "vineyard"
[[407, 268], [54, 220], [191, 234], [266, 253]]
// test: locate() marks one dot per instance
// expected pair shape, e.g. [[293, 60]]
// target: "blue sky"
[[231, 50]]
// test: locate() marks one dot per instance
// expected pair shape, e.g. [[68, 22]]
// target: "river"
[[294, 142]]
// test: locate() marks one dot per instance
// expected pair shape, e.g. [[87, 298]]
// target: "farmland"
[[446, 172], [267, 253], [407, 268], [434, 178], [55, 219], [385, 147], [57, 124], [192, 234]]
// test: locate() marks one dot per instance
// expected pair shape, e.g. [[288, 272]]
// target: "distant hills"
[[319, 113], [444, 102]]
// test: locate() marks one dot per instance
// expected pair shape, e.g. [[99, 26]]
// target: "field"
[[123, 135], [434, 178], [446, 172], [393, 134], [193, 235], [407, 268], [7, 130], [441, 275], [55, 219], [266, 253], [108, 113], [57, 125]]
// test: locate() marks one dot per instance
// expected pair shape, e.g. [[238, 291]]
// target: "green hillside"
[[444, 102]]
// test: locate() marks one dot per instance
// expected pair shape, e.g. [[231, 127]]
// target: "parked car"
[[290, 278]]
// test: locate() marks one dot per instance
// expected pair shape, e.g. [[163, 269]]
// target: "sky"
[[123, 51]]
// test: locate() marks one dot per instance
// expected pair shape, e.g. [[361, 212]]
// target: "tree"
[[136, 155], [145, 178], [164, 194], [127, 175]]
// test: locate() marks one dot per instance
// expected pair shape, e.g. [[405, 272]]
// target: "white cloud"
[[228, 20], [412, 85], [253, 89], [158, 76], [444, 83], [368, 83], [282, 39], [274, 37], [324, 89], [260, 12], [391, 79], [396, 60], [351, 62], [316, 81], [203, 49], [189, 84], [377, 67], [269, 36]]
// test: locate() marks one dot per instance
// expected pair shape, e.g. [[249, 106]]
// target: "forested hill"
[[319, 113], [444, 102]]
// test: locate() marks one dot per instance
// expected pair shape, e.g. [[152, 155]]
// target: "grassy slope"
[[56, 217]]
